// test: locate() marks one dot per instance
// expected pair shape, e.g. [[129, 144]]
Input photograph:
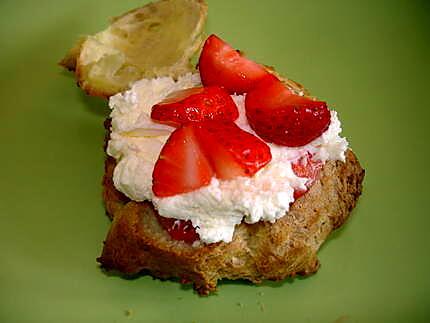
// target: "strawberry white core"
[[214, 209]]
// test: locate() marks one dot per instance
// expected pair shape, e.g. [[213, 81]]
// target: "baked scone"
[[259, 251], [157, 39], [229, 171]]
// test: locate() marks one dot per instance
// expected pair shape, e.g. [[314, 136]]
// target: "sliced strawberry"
[[270, 92], [284, 118], [231, 151], [179, 229], [195, 104], [221, 65], [182, 166], [308, 168], [199, 150]]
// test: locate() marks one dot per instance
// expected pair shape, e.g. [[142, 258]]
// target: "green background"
[[369, 59]]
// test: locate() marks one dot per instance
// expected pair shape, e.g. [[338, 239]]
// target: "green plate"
[[368, 59]]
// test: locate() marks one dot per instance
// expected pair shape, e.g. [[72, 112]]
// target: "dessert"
[[228, 171]]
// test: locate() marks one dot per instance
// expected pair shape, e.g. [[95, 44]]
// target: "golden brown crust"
[[69, 61], [258, 251]]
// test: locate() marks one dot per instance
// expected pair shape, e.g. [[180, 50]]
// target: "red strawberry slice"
[[306, 167], [179, 229], [231, 151], [221, 65], [284, 118], [197, 151], [182, 166], [195, 104], [270, 92]]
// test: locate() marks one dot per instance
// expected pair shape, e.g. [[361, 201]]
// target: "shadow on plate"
[[93, 104], [116, 273], [265, 283], [334, 235], [189, 286], [243, 282]]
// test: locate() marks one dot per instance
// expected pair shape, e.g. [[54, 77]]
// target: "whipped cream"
[[214, 209]]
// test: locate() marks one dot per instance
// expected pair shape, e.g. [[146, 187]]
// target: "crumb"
[[240, 304], [127, 313]]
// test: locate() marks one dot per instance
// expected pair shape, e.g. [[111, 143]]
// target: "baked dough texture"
[[259, 251]]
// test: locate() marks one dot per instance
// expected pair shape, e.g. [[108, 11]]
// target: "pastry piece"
[[157, 39], [259, 251]]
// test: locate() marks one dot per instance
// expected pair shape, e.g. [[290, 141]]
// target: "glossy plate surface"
[[368, 59]]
